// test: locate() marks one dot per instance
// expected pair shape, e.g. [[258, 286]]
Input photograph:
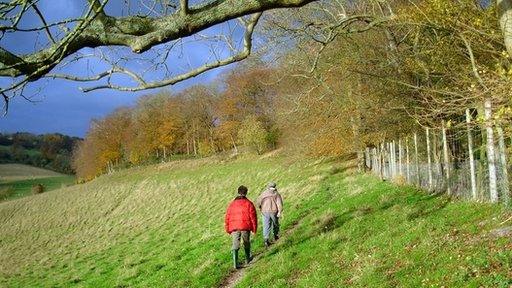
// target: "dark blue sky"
[[59, 105]]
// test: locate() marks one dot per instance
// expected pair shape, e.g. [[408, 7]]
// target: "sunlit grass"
[[159, 225], [19, 188], [359, 232], [162, 226]]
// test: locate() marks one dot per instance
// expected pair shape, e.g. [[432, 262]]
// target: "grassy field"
[[19, 188], [153, 226], [162, 226], [360, 232], [10, 172], [16, 180]]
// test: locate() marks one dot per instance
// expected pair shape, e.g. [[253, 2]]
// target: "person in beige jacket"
[[270, 204]]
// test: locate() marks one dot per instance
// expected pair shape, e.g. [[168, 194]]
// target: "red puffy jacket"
[[241, 215]]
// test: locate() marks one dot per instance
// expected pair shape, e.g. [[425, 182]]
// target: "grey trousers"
[[246, 237], [270, 220]]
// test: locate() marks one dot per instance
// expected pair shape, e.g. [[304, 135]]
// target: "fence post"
[[491, 161], [393, 158], [381, 159], [446, 160], [471, 156], [503, 160], [390, 156], [400, 158], [375, 166], [408, 175], [416, 159], [429, 159], [367, 159]]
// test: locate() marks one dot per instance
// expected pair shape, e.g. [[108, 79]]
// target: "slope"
[[161, 226], [155, 226], [360, 232]]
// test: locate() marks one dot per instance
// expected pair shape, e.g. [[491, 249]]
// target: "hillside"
[[50, 151], [162, 226], [10, 172]]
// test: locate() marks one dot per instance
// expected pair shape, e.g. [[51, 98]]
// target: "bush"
[[37, 188]]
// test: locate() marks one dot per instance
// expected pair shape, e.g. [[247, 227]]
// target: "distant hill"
[[49, 151]]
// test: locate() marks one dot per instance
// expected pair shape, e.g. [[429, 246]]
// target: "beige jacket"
[[270, 201]]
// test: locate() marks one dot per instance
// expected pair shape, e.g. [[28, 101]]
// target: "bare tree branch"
[[138, 33], [192, 73]]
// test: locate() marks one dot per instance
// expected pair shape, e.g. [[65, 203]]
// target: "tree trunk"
[[471, 156], [505, 19], [491, 161]]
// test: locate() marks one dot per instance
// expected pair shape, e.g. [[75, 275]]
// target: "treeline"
[[199, 121], [338, 78], [51, 151]]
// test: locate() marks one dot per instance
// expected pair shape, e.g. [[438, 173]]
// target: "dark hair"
[[242, 190]]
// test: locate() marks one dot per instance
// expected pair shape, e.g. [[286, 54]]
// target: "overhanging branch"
[[244, 53]]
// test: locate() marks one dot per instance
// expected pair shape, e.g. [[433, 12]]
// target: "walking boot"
[[248, 256], [234, 253], [267, 243], [276, 237]]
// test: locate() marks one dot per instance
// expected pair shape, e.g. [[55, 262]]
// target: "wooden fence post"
[[381, 159], [395, 162], [429, 159], [503, 160], [471, 156], [446, 160], [390, 156], [491, 161], [400, 158], [416, 159], [408, 172]]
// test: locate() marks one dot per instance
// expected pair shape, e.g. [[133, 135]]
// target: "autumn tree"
[[252, 133], [103, 147]]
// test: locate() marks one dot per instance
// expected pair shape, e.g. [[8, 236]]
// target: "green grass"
[[20, 188], [162, 226], [358, 231], [155, 226]]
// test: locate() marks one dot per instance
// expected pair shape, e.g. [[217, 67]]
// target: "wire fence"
[[444, 160]]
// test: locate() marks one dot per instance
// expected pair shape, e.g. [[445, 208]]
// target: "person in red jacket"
[[239, 221]]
